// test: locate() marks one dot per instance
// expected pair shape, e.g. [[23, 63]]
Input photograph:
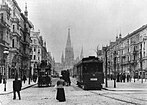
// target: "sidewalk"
[[121, 86], [9, 86], [126, 86]]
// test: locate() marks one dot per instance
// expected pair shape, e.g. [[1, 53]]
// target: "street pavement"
[[123, 86], [77, 96], [9, 86], [120, 86]]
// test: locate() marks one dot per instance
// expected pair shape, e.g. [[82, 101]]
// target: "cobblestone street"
[[77, 96]]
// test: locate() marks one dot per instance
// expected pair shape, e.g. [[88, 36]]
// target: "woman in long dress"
[[60, 90]]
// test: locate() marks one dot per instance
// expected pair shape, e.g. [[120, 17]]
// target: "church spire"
[[26, 11], [62, 58], [68, 44], [81, 56]]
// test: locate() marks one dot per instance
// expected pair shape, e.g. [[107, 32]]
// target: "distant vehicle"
[[44, 78], [89, 73]]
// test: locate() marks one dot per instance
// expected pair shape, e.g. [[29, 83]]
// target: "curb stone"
[[21, 89]]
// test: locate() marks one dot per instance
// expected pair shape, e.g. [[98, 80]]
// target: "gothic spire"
[[62, 58], [81, 56], [68, 44]]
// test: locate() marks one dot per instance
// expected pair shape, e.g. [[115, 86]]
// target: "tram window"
[[90, 67]]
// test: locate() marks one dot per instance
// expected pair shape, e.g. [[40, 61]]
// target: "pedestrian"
[[60, 96], [128, 77], [121, 77], [16, 88], [118, 77], [111, 76], [68, 78], [34, 77], [124, 77], [24, 79], [0, 78]]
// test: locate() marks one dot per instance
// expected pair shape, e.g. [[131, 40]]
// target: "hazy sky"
[[92, 22]]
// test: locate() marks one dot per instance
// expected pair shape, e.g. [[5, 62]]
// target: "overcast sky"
[[92, 22]]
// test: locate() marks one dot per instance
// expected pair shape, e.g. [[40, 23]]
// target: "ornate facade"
[[128, 54], [15, 38]]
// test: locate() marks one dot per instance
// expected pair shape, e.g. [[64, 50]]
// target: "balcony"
[[15, 20], [16, 33], [3, 22]]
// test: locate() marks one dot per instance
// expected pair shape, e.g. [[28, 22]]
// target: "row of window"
[[35, 50], [35, 58]]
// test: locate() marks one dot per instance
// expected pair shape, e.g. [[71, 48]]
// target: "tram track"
[[118, 99]]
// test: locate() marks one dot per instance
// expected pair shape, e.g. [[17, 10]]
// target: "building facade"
[[128, 54], [36, 53], [39, 52], [14, 38]]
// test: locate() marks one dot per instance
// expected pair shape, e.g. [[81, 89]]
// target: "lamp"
[[6, 52]]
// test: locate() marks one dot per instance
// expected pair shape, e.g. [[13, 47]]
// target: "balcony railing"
[[15, 20]]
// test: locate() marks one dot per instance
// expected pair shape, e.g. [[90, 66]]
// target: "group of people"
[[66, 77], [121, 77]]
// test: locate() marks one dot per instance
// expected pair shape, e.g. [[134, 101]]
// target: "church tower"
[[69, 54], [81, 55]]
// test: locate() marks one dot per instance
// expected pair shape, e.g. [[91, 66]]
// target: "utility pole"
[[114, 69], [141, 65], [105, 49]]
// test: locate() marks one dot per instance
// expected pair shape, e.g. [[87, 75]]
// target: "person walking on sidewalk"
[[24, 79], [60, 90], [16, 88]]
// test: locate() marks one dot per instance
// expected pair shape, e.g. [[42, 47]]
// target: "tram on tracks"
[[44, 74], [89, 73]]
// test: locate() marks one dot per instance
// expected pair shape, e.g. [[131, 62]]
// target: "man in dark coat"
[[24, 79], [17, 87]]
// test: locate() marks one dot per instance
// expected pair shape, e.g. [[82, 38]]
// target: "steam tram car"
[[89, 73], [44, 72]]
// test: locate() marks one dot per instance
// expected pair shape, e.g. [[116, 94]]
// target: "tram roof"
[[88, 60]]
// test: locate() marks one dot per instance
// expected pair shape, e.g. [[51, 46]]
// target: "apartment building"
[[128, 54], [36, 53], [15, 39]]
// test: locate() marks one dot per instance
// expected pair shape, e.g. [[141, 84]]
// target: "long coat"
[[17, 85], [60, 91]]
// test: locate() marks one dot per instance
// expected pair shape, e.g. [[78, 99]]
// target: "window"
[[34, 41], [38, 51], [34, 57], [13, 28], [13, 43], [34, 49], [1, 34]]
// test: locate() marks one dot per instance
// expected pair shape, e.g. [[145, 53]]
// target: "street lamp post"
[[5, 77], [114, 69], [105, 49], [134, 53], [141, 65]]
